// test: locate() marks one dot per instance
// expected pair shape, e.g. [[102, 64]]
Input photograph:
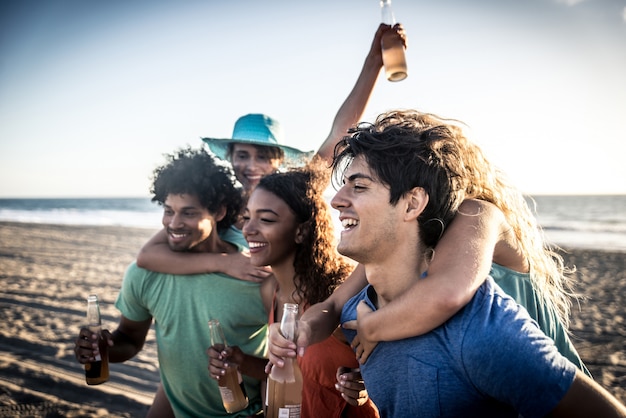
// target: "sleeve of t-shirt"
[[348, 312], [512, 360], [130, 301]]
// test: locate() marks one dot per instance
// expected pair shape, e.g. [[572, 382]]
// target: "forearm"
[[164, 260], [354, 105], [424, 307], [586, 398], [461, 262], [156, 255], [253, 367], [323, 318], [123, 348]]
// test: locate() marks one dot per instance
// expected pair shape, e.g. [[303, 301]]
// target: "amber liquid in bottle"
[[96, 372], [284, 385], [231, 385], [394, 58]]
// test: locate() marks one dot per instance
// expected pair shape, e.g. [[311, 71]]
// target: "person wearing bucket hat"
[[256, 149]]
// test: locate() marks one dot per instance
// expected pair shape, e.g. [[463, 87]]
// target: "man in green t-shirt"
[[200, 205]]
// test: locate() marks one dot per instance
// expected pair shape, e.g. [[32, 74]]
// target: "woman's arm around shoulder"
[[156, 255], [460, 264]]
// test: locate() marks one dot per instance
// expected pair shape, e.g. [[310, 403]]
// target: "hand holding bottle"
[[229, 379], [395, 33], [86, 347], [91, 348], [221, 358], [392, 47], [284, 385], [281, 348]]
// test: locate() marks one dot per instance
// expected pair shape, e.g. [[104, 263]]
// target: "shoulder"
[[137, 278], [348, 312], [492, 315], [482, 209], [133, 270], [518, 351], [234, 236]]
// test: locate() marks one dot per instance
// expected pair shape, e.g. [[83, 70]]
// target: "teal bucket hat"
[[258, 129]]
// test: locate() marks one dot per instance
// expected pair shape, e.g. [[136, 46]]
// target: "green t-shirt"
[[181, 306]]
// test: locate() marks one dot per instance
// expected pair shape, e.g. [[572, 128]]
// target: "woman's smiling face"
[[271, 228], [250, 164]]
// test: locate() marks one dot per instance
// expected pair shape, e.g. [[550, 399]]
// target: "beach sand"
[[47, 272]]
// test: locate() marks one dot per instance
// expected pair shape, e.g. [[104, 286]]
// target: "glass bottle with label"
[[284, 384], [231, 384], [394, 59], [97, 372]]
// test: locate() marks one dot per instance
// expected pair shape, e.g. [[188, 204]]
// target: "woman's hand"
[[361, 346], [351, 386]]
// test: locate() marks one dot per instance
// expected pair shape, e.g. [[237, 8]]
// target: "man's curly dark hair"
[[197, 173]]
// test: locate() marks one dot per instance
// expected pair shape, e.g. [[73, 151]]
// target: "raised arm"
[[156, 255], [353, 107]]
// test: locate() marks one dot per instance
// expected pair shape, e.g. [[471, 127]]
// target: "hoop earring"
[[443, 226]]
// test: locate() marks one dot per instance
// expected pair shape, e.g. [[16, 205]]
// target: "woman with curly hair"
[[288, 226]]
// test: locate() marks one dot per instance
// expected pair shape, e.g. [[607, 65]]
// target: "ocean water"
[[592, 222], [132, 212]]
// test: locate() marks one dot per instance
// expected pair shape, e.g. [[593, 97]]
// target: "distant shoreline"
[[569, 221], [156, 226]]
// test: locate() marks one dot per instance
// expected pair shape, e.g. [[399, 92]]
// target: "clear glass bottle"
[[284, 385], [231, 385], [97, 372], [394, 59]]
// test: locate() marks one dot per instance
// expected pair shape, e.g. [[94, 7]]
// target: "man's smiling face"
[[187, 222]]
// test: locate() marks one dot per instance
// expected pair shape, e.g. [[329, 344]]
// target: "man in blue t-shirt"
[[401, 187], [200, 205]]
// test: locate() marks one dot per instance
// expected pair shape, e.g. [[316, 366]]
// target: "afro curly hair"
[[197, 173]]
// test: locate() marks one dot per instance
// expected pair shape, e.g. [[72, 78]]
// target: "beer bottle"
[[97, 372], [284, 385], [392, 47], [231, 384]]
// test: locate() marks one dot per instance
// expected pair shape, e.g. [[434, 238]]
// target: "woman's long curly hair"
[[319, 268], [548, 274]]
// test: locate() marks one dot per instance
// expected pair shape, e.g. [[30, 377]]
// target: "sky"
[[93, 94]]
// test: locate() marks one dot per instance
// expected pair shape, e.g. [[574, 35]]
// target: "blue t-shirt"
[[519, 287], [489, 360], [181, 306]]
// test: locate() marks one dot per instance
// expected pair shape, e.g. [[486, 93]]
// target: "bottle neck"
[[387, 13], [93, 316], [94, 328], [288, 321]]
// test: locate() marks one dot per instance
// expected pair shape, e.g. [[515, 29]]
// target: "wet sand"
[[47, 272]]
